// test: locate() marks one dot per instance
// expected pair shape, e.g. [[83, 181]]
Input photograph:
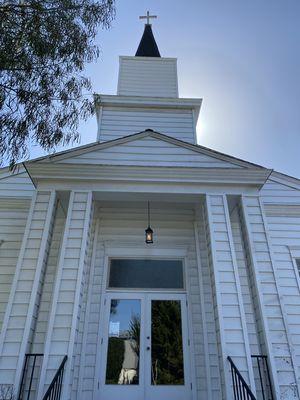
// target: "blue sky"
[[241, 57]]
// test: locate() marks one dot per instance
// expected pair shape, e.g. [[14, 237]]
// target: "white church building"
[[206, 306]]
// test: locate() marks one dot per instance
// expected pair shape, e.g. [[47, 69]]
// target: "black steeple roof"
[[147, 46]]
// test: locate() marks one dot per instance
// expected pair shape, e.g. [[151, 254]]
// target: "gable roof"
[[71, 156], [76, 153]]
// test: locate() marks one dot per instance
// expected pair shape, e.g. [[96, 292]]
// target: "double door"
[[145, 351]]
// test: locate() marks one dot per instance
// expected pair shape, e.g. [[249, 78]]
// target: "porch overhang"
[[145, 178]]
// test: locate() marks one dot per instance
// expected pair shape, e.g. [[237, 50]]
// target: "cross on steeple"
[[147, 46], [147, 17]]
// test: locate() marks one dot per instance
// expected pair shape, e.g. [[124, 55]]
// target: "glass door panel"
[[167, 366], [123, 351], [145, 349]]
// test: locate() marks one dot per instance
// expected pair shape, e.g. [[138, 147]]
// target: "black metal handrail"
[[23, 386], [241, 389], [54, 390], [264, 376]]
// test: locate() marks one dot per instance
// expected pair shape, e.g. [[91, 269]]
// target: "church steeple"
[[147, 97], [147, 46], [147, 73]]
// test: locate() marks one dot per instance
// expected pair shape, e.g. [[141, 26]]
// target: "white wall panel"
[[26, 286], [148, 76], [17, 184], [214, 385], [282, 207], [268, 271], [82, 338], [277, 193], [149, 152], [64, 317], [244, 275], [13, 217], [233, 338], [284, 231], [117, 122], [48, 284], [138, 116]]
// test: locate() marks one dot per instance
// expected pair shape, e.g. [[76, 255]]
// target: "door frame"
[[160, 389], [128, 250], [104, 340]]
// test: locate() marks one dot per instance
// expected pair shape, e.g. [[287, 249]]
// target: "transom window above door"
[[146, 274]]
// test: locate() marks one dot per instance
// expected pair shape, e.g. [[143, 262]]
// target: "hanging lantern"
[[149, 231], [149, 235]]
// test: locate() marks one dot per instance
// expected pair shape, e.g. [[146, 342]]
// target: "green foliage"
[[167, 351], [44, 45], [115, 355]]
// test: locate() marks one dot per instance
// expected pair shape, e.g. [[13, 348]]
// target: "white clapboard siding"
[[13, 217], [259, 331], [210, 317], [271, 293], [48, 284], [215, 294], [117, 122], [39, 328], [282, 206], [81, 338], [15, 184], [91, 351], [197, 322], [171, 226], [26, 285], [63, 322], [278, 193], [149, 152], [246, 288], [284, 231], [232, 323], [249, 295], [148, 76]]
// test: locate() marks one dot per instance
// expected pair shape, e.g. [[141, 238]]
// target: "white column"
[[87, 315], [203, 316], [277, 337], [230, 310], [24, 295], [64, 316]]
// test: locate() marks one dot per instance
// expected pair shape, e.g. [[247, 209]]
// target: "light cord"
[[148, 213]]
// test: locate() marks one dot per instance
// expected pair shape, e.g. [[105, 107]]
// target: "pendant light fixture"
[[149, 231]]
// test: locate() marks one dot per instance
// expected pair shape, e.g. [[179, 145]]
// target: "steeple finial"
[[147, 46], [147, 17]]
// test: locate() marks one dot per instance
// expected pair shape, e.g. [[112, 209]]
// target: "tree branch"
[[31, 7], [51, 98]]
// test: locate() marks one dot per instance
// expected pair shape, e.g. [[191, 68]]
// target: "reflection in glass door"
[[145, 348], [167, 372], [123, 353], [122, 348], [166, 343]]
